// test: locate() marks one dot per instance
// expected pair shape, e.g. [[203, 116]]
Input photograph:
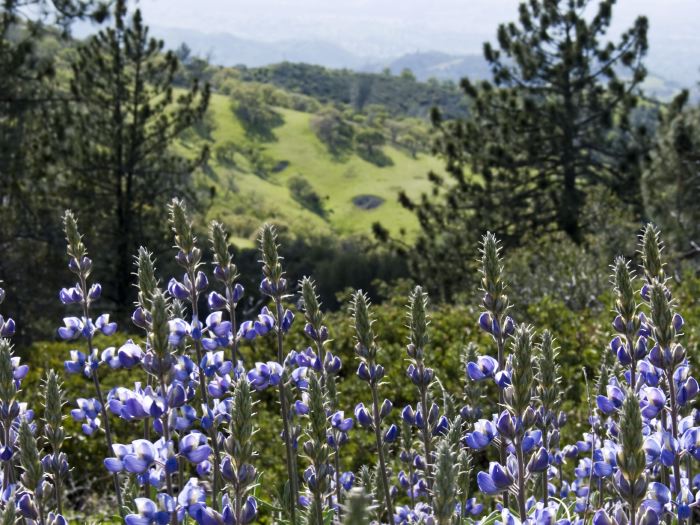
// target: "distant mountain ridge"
[[439, 65], [229, 50]]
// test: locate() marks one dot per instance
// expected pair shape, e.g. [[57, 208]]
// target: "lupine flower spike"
[[56, 463], [630, 479], [549, 394], [495, 320], [194, 283], [81, 265], [318, 475], [237, 466], [370, 371], [274, 285], [226, 273], [317, 331], [426, 418]]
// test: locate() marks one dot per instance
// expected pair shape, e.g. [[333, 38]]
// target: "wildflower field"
[[201, 415]]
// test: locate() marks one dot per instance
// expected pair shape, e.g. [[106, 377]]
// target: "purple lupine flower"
[[613, 401], [340, 422], [192, 497], [265, 375], [372, 373], [261, 326], [653, 401], [658, 497], [332, 363], [150, 513], [391, 434], [686, 385], [26, 506], [307, 358], [418, 379], [216, 301], [497, 480], [483, 434], [130, 404], [347, 480], [362, 415], [287, 320], [95, 292], [127, 356], [70, 295], [7, 327], [215, 363], [88, 411], [140, 457], [104, 325], [471, 506], [179, 290], [72, 327], [485, 367], [194, 447]]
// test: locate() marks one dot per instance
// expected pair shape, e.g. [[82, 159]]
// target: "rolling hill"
[[355, 193]]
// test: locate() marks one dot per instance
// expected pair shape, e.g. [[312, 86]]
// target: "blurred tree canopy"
[[671, 180]]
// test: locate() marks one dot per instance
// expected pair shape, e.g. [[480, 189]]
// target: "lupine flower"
[[265, 375], [194, 447], [150, 513], [340, 422], [89, 411], [362, 415], [7, 327], [484, 367], [496, 480], [71, 295]]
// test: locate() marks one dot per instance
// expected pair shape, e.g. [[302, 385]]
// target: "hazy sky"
[[391, 27]]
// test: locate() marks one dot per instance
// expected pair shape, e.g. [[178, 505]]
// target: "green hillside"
[[242, 198]]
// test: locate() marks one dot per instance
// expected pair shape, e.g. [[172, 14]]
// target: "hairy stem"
[[291, 470], [380, 451], [98, 393]]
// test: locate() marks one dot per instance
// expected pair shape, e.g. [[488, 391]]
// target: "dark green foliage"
[[553, 122], [671, 181], [332, 129], [304, 194], [368, 144], [400, 95], [255, 113], [336, 264]]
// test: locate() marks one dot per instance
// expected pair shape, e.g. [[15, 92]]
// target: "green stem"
[[501, 403], [98, 392], [380, 451], [674, 433], [166, 435], [338, 492], [521, 479], [425, 431], [289, 449], [203, 390]]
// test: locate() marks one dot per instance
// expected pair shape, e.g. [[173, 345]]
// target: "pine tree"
[[122, 168], [554, 121]]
